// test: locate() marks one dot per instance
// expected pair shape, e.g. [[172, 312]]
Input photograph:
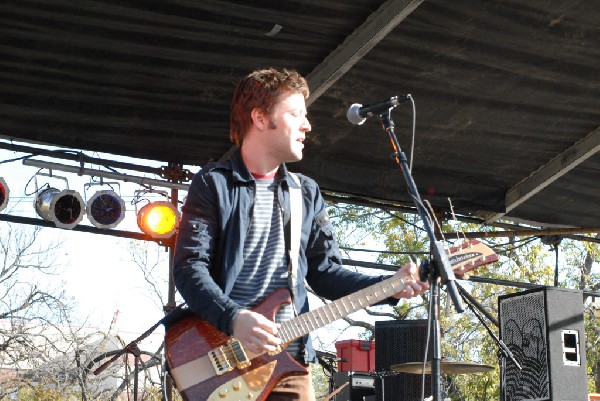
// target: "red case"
[[357, 355]]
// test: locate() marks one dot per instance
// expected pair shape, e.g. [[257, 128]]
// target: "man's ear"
[[259, 118]]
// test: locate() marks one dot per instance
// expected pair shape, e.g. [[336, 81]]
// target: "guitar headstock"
[[469, 255]]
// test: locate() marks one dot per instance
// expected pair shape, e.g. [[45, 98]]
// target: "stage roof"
[[507, 93]]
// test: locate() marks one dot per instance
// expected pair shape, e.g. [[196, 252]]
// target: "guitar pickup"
[[239, 353]]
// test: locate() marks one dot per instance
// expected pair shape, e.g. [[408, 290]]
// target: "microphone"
[[357, 113]]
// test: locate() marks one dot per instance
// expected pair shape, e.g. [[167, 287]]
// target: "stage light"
[[158, 219], [105, 209], [4, 192], [64, 208]]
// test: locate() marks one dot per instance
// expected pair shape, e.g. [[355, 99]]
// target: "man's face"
[[288, 127]]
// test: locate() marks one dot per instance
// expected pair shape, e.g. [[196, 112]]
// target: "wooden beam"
[[357, 44], [524, 233], [548, 174]]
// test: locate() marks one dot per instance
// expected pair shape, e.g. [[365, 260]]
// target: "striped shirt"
[[265, 267]]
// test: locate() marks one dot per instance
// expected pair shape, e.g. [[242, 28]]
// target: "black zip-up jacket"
[[213, 228]]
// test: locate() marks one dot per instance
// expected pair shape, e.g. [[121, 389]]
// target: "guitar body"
[[190, 340]]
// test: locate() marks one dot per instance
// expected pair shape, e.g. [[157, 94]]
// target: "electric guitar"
[[208, 365]]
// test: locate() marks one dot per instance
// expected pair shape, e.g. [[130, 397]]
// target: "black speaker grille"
[[523, 326], [400, 341]]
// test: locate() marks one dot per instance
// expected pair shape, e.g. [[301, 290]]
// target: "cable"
[[414, 125]]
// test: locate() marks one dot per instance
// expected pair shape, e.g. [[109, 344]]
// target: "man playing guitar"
[[236, 240]]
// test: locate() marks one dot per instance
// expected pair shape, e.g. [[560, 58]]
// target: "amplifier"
[[362, 381], [400, 341], [360, 386]]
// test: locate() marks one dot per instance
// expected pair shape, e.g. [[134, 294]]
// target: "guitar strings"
[[433, 217], [454, 218]]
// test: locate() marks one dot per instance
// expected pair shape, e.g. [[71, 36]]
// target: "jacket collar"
[[239, 170], [241, 173]]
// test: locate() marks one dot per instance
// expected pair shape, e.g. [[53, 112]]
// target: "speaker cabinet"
[[361, 386], [399, 341], [544, 330]]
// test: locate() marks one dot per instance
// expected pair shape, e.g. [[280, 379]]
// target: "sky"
[[97, 271]]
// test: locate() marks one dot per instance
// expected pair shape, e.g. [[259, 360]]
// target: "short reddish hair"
[[260, 89]]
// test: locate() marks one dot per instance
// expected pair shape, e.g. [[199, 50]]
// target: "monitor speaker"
[[544, 330], [400, 341]]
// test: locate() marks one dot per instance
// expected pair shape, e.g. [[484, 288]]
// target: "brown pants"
[[294, 388]]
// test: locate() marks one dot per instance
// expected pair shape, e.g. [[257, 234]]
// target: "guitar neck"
[[462, 258], [302, 325]]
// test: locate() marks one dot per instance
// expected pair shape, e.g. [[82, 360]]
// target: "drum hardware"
[[448, 367]]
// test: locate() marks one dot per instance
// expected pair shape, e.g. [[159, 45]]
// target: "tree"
[[44, 350], [400, 237], [27, 304]]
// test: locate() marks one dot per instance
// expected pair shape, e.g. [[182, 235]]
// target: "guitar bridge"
[[219, 360], [229, 356]]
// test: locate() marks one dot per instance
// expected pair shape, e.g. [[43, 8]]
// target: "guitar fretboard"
[[462, 258], [302, 325]]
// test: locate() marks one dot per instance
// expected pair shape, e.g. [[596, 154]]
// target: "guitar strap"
[[294, 235]]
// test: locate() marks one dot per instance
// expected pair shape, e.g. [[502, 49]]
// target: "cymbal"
[[448, 367]]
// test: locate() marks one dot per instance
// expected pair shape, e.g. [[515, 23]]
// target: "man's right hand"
[[256, 333]]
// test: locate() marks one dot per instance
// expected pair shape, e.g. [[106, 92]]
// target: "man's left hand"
[[412, 285]]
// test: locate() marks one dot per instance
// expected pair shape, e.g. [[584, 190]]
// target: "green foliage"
[[320, 379], [400, 238], [40, 392], [592, 329]]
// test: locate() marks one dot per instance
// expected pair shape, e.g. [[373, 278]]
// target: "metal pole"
[[171, 294], [104, 174]]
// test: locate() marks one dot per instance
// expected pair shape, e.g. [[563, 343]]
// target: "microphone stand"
[[440, 265], [132, 348]]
